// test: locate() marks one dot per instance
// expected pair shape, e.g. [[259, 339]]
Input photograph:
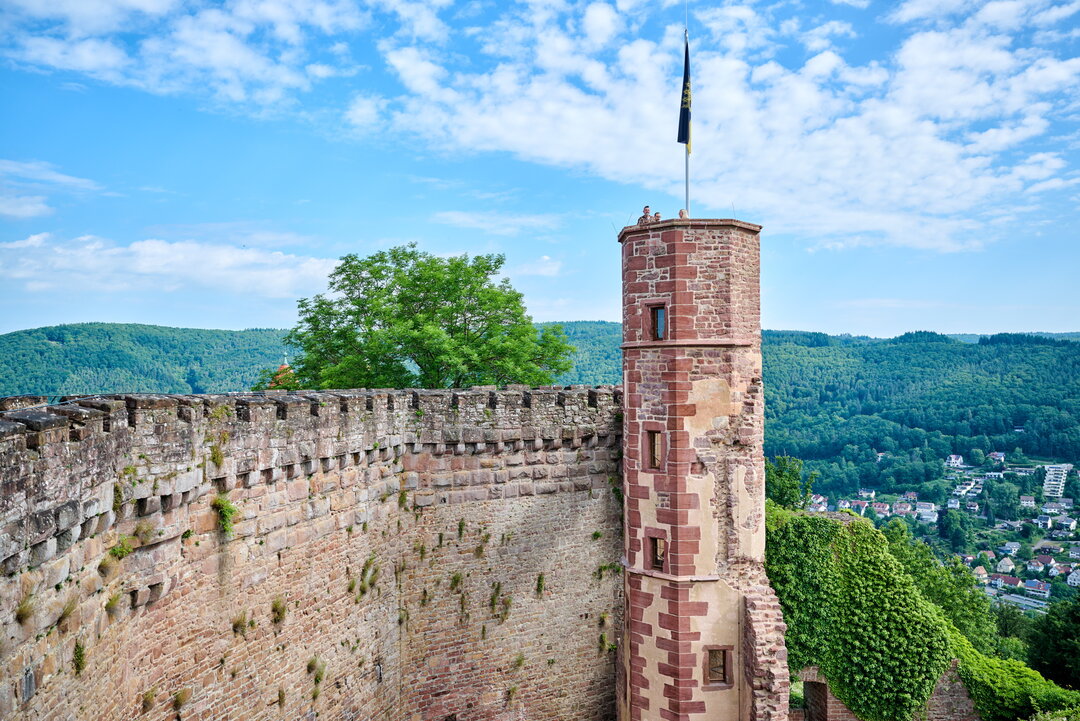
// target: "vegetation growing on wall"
[[831, 574]]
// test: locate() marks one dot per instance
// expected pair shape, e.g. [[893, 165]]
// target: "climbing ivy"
[[853, 611]]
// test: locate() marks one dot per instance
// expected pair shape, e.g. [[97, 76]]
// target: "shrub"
[[149, 698], [112, 606], [107, 565], [278, 610], [144, 531], [540, 585], [69, 608], [26, 608], [240, 624], [78, 658], [180, 698], [226, 512], [122, 549]]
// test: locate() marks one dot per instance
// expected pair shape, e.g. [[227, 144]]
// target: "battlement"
[[108, 528], [41, 446]]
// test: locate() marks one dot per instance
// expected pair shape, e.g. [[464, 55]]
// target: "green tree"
[[784, 483], [405, 318], [949, 585], [1055, 643]]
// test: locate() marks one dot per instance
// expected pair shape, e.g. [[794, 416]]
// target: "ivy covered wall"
[[854, 611]]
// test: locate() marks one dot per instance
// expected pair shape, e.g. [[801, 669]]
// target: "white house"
[[954, 461], [1005, 565], [1054, 483], [1074, 578], [1065, 523], [954, 503], [1027, 501], [1037, 588]]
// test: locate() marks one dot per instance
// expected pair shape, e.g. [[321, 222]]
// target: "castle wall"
[[401, 537]]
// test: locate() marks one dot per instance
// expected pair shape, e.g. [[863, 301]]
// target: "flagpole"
[[688, 179], [686, 37]]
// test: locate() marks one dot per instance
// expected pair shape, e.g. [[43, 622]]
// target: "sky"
[[915, 164]]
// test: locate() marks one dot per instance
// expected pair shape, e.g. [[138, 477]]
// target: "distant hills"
[[835, 401], [132, 358]]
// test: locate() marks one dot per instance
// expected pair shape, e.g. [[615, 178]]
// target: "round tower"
[[704, 634]]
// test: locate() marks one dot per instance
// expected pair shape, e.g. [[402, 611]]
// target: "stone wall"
[[395, 555], [949, 701]]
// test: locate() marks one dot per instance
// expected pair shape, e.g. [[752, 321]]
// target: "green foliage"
[[784, 483], [149, 698], [180, 698], [540, 585], [78, 658], [131, 358], [404, 318], [917, 399], [950, 586], [122, 549], [112, 605], [1055, 650], [217, 457], [226, 513], [25, 609], [896, 643], [1069, 714]]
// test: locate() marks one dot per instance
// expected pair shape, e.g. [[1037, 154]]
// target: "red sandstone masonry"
[[317, 478], [705, 274]]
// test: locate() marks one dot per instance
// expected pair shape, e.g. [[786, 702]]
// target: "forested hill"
[[131, 358], [917, 398], [835, 401]]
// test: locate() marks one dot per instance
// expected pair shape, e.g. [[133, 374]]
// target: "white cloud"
[[545, 266], [821, 37], [365, 111], [45, 173], [23, 206], [845, 154], [243, 51], [93, 263], [23, 184], [600, 23], [497, 223], [33, 241], [861, 4]]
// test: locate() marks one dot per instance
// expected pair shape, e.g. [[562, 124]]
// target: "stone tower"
[[703, 630]]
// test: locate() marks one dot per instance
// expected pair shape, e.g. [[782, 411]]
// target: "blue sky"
[[916, 164]]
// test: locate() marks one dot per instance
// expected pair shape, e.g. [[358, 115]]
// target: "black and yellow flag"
[[684, 111]]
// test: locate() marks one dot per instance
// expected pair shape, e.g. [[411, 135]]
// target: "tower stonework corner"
[[703, 628]]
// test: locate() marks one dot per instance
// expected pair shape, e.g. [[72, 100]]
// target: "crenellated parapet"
[[111, 543], [61, 464]]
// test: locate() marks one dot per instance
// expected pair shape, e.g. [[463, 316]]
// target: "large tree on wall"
[[404, 318]]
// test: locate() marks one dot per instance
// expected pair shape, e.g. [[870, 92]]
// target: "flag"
[[684, 111]]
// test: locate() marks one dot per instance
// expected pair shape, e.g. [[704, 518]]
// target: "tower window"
[[658, 315], [654, 451], [718, 666], [658, 549]]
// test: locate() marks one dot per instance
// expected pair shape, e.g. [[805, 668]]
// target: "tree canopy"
[[405, 318], [1055, 643]]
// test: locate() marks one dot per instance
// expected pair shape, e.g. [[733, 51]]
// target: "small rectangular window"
[[659, 322], [654, 449], [659, 552], [718, 666]]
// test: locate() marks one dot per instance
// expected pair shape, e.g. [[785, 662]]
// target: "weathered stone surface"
[[316, 480]]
